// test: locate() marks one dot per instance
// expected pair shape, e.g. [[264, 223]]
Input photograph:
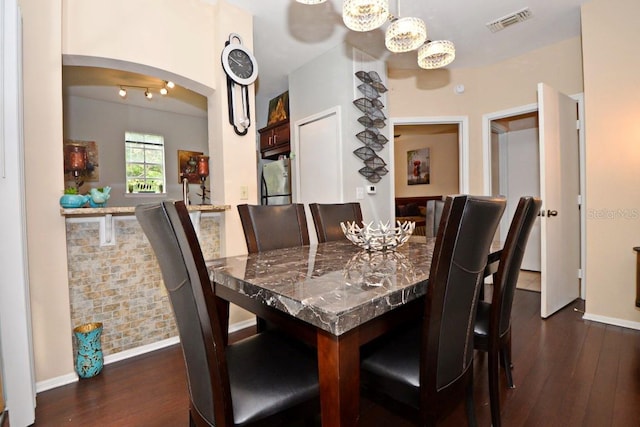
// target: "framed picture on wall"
[[188, 166], [418, 167], [278, 109]]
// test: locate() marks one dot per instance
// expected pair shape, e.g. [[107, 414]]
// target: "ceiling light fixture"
[[364, 15], [169, 84], [164, 89], [404, 34], [436, 54]]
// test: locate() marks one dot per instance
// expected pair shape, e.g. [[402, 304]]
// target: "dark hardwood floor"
[[567, 371]]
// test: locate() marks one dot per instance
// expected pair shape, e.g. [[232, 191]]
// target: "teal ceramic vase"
[[89, 358], [73, 201]]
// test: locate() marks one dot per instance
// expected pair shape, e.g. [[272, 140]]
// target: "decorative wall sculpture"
[[373, 120]]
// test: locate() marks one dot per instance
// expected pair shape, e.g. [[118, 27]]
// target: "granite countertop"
[[335, 286], [130, 210]]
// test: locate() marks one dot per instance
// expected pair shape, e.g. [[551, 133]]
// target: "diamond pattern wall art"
[[373, 120]]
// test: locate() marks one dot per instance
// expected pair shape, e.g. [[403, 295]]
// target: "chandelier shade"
[[405, 34], [364, 15], [402, 35], [436, 54]]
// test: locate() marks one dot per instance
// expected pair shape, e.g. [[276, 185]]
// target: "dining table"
[[335, 297]]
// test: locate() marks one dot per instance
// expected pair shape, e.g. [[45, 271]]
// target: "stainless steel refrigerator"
[[276, 182]]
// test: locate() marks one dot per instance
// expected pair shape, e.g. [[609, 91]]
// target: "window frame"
[[148, 143]]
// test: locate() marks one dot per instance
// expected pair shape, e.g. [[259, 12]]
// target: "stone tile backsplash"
[[121, 285]]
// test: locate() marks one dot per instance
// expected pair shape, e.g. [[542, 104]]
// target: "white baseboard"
[[56, 382], [612, 321], [132, 352]]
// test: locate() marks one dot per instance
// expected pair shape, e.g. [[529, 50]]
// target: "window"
[[144, 157]]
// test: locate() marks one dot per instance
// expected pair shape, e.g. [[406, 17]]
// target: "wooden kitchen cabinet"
[[275, 140]]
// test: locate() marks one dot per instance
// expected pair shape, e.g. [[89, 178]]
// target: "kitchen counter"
[[130, 210]]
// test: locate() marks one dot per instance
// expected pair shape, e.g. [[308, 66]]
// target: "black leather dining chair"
[[492, 331], [433, 216], [327, 218], [428, 365], [262, 380], [269, 227]]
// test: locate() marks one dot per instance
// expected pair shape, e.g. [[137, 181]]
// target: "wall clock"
[[242, 70]]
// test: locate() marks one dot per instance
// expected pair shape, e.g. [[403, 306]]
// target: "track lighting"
[[164, 89]]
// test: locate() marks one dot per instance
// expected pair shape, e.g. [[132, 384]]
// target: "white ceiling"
[[288, 34]]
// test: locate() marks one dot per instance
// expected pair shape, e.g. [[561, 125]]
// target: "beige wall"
[[42, 75], [489, 89], [610, 42], [443, 152], [177, 37], [184, 39], [609, 33]]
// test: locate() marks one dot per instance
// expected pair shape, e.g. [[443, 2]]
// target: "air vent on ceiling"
[[508, 20]]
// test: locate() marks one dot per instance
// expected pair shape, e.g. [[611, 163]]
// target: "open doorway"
[[515, 171], [101, 105], [561, 181], [445, 141], [427, 158], [439, 145]]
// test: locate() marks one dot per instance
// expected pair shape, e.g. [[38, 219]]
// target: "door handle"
[[552, 213]]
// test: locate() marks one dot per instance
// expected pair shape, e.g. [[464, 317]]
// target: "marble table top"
[[335, 286]]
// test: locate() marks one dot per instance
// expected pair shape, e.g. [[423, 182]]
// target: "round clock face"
[[239, 64]]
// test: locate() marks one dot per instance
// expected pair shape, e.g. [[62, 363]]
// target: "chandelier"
[[364, 15], [405, 34], [402, 35], [436, 54]]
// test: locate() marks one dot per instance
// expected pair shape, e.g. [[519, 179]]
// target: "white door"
[[318, 157], [559, 189]]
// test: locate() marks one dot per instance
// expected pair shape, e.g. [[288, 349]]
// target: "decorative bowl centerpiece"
[[378, 238]]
